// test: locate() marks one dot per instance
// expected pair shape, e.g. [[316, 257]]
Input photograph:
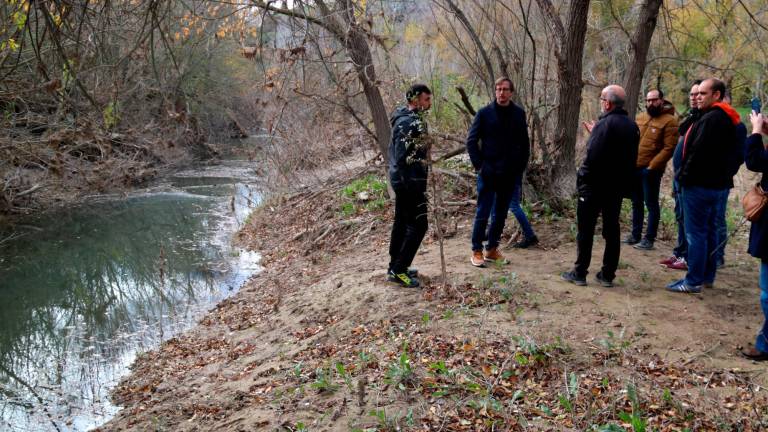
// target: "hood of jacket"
[[667, 108], [732, 114], [399, 113]]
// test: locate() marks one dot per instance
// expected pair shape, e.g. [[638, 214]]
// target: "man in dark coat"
[[602, 180], [408, 172], [705, 176], [499, 149]]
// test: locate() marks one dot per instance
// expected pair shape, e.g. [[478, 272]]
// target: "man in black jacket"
[[705, 176], [602, 180], [499, 149], [408, 172]]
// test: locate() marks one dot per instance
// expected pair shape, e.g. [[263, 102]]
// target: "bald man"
[[602, 180], [710, 153]]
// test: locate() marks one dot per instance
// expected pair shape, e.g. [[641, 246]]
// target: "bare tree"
[[639, 44], [569, 52], [342, 23], [490, 77]]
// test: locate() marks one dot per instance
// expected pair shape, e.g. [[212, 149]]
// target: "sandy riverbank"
[[320, 341]]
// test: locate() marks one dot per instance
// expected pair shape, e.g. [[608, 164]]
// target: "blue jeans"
[[493, 195], [761, 344], [699, 214], [681, 250], [722, 229], [516, 209], [646, 194]]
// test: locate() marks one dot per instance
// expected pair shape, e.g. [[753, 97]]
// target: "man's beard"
[[653, 110]]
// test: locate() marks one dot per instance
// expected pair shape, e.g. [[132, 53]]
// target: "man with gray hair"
[[602, 180]]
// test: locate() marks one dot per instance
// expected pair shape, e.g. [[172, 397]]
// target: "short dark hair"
[[697, 82], [415, 90], [718, 86]]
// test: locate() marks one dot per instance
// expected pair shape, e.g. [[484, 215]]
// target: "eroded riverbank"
[[319, 340]]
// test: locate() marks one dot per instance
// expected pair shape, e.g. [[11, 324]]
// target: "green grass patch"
[[366, 194]]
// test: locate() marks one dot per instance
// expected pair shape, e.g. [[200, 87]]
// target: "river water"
[[83, 290]]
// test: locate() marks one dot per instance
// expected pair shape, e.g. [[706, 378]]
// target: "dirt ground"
[[320, 341]]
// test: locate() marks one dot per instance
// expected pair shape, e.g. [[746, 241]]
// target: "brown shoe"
[[493, 255], [477, 259], [753, 354]]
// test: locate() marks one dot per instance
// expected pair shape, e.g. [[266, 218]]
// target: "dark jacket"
[[737, 156], [408, 151], [497, 142], [686, 122], [611, 155], [757, 160], [708, 149]]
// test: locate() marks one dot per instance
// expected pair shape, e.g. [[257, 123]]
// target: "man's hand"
[[589, 126], [759, 124]]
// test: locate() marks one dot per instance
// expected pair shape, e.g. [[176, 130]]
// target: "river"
[[84, 290]]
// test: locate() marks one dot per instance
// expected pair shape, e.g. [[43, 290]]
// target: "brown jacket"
[[658, 138]]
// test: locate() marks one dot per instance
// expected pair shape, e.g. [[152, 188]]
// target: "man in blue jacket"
[[602, 180], [408, 172], [499, 149]]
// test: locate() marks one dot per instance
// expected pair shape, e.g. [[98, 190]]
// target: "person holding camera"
[[757, 160]]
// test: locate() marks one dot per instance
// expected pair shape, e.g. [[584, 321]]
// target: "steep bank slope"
[[319, 341]]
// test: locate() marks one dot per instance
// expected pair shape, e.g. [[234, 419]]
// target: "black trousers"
[[411, 222], [587, 210]]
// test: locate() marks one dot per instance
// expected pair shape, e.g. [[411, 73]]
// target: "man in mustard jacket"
[[658, 137]]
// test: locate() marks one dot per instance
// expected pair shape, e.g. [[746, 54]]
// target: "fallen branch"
[[458, 203], [455, 152], [30, 190]]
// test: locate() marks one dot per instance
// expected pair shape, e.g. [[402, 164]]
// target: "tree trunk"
[[349, 34], [569, 53], [640, 43], [360, 54]]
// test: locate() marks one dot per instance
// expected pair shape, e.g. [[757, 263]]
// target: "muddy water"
[[85, 289]]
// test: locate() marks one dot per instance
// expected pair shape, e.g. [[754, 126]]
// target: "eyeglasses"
[[503, 89], [603, 99]]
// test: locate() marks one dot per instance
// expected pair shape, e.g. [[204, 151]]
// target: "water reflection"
[[81, 291]]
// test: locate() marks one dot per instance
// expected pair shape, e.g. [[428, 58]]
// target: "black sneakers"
[[631, 240], [526, 242], [644, 244], [403, 279], [603, 281], [572, 277]]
